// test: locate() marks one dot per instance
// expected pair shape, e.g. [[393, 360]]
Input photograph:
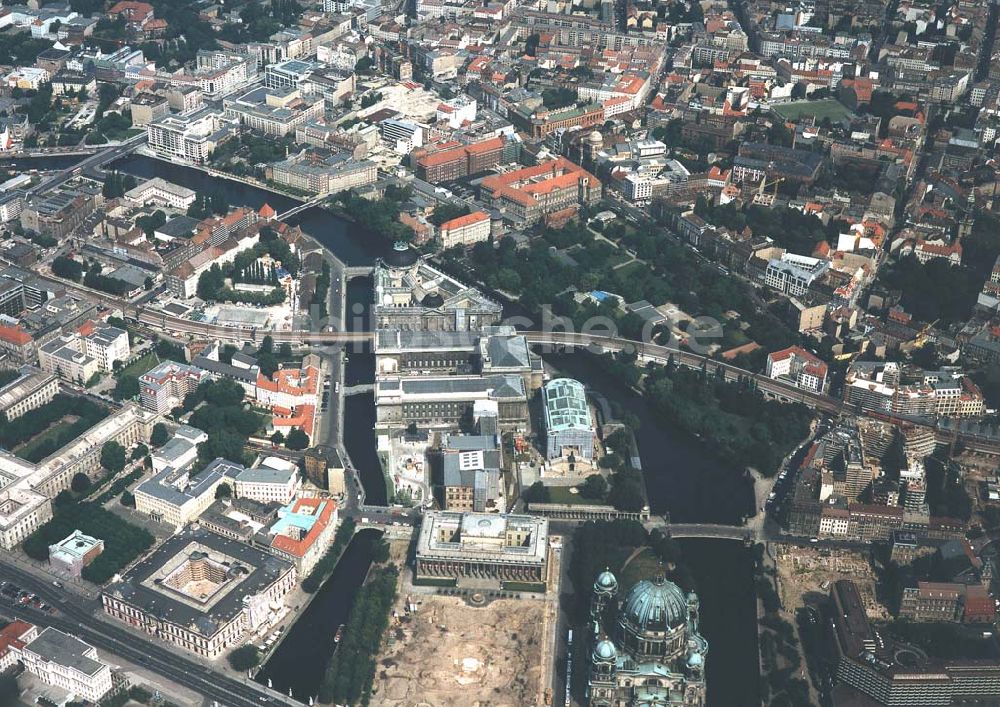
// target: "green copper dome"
[[656, 605], [606, 580], [605, 650]]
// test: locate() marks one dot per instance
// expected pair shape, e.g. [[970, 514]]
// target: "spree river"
[[683, 478]]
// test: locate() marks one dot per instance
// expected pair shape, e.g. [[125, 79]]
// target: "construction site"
[[804, 572], [442, 652]]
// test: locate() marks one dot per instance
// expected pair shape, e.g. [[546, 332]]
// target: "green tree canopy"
[[113, 457]]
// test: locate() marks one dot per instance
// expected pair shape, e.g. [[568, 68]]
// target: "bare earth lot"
[[449, 653]]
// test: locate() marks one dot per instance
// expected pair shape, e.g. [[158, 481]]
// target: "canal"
[[300, 660], [351, 243], [683, 478]]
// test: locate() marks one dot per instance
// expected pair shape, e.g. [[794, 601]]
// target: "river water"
[[683, 478], [301, 659]]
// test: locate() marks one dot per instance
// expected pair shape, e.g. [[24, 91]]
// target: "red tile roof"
[[15, 335], [298, 548], [467, 220]]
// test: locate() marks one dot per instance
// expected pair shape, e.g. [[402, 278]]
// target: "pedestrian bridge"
[[705, 530]]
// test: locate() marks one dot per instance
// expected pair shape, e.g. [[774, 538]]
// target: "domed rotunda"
[[646, 645]]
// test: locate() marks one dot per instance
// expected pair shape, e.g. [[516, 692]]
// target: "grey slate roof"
[[61, 648]]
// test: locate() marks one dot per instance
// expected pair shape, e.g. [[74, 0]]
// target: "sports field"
[[825, 108]]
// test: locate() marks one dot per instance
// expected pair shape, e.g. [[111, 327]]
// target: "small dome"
[[401, 255], [605, 650], [656, 605], [595, 137], [432, 300], [695, 660], [606, 580]]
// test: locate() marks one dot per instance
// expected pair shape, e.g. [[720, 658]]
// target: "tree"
[[536, 493], [267, 344], [297, 439], [244, 658], [113, 457], [285, 351], [594, 487], [9, 691], [126, 388], [531, 44], [80, 483], [223, 490], [140, 451], [277, 438], [67, 268], [159, 435], [380, 553]]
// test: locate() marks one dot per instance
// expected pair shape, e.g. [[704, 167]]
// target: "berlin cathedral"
[[647, 651]]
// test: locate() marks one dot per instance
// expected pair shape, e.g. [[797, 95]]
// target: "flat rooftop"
[[157, 586]]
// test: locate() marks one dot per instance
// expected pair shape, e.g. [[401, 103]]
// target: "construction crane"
[[761, 197], [921, 338]]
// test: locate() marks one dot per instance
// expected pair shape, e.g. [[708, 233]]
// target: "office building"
[[303, 532], [797, 366], [471, 472], [75, 552], [870, 670], [465, 230], [320, 171], [794, 274], [65, 662], [163, 387], [189, 137], [274, 481], [32, 389], [174, 497], [458, 162], [274, 112], [202, 592], [524, 196], [162, 193]]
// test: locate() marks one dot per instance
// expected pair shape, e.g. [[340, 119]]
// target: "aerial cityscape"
[[542, 353]]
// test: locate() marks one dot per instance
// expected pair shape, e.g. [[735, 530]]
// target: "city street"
[[85, 619]]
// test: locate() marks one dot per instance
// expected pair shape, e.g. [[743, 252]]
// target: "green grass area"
[[123, 542], [633, 269], [434, 581], [142, 364], [643, 566], [618, 257], [562, 494], [537, 587], [826, 108], [40, 446]]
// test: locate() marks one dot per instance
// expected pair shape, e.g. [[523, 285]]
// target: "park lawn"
[[825, 108], [633, 269], [618, 257], [562, 494], [141, 365], [37, 448], [645, 565]]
